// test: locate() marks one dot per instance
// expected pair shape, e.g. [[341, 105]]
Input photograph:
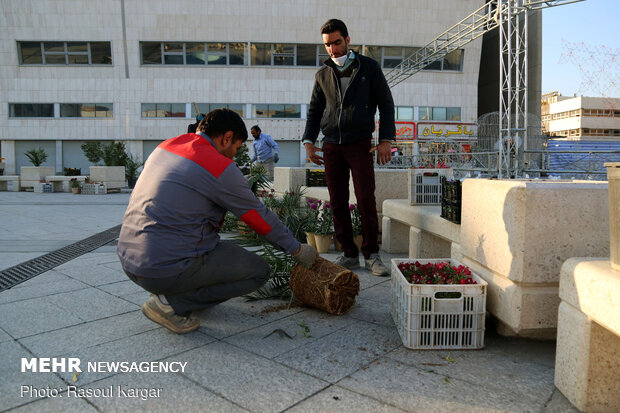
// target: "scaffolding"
[[510, 16]]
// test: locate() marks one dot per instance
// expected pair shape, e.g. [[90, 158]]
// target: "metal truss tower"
[[510, 16]]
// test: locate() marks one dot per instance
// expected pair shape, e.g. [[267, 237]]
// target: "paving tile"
[[137, 298], [482, 368], [40, 290], [264, 310], [74, 338], [343, 352], [380, 292], [48, 277], [338, 399], [261, 341], [58, 404], [542, 352], [255, 383], [559, 404], [413, 389], [368, 280], [4, 336], [92, 304], [175, 393], [219, 321], [372, 311], [114, 265], [34, 316], [151, 345], [94, 275], [121, 288], [12, 379]]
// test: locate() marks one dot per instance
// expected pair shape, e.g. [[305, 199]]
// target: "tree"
[[92, 150], [36, 156]]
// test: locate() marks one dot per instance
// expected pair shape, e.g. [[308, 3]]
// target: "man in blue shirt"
[[265, 150]]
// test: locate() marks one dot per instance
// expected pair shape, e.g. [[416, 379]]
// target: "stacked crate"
[[451, 200]]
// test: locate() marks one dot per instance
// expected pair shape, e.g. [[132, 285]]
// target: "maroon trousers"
[[356, 157]]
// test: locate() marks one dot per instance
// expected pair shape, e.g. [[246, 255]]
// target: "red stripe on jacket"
[[256, 222], [197, 149]]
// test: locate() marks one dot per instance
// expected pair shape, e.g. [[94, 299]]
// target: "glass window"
[[216, 54], [424, 113], [374, 52], [436, 65], [195, 53], [306, 55], [260, 111], [30, 53], [452, 61], [276, 111], [87, 110], [202, 107], [261, 54], [77, 47], [70, 110], [151, 53], [322, 54], [239, 108], [357, 49], [238, 53], [404, 113], [31, 110], [54, 53], [173, 53], [283, 54], [54, 47], [100, 53], [439, 113], [104, 110], [453, 113], [163, 110]]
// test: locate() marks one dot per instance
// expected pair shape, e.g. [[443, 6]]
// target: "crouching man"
[[169, 242]]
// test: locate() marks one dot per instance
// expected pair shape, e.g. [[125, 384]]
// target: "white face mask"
[[340, 60]]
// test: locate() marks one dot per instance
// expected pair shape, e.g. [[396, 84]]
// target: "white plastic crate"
[[425, 185], [425, 321], [43, 187], [94, 189]]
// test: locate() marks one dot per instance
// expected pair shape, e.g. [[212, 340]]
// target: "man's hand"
[[311, 151], [276, 158], [384, 152], [306, 255]]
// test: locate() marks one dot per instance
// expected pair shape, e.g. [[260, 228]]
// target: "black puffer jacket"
[[348, 118]]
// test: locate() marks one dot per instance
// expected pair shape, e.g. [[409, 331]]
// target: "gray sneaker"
[[376, 266], [163, 314], [348, 262]]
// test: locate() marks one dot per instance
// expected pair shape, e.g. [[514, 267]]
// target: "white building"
[[77, 70], [581, 117]]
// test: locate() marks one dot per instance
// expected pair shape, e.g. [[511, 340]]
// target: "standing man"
[[348, 88], [169, 242], [265, 150]]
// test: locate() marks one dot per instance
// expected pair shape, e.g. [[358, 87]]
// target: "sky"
[[595, 23]]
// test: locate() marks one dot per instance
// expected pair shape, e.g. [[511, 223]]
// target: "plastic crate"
[[451, 210], [43, 187], [426, 321], [451, 189], [425, 186], [315, 178], [94, 189]]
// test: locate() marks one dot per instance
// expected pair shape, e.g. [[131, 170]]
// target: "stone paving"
[[88, 309]]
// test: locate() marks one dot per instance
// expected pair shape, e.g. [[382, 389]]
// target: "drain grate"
[[26, 270]]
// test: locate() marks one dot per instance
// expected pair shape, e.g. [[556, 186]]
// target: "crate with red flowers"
[[438, 304]]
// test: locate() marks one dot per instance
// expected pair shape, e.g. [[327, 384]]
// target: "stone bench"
[[63, 183], [587, 363], [418, 230], [9, 183]]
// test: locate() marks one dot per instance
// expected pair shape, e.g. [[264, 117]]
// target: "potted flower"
[[356, 223], [75, 186], [312, 218], [324, 228]]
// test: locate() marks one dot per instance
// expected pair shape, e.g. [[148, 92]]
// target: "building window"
[[276, 111], [86, 110], [31, 110], [193, 53], [404, 113], [391, 56], [239, 108], [439, 113], [163, 110], [64, 53]]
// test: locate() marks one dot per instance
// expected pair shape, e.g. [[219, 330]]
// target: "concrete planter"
[[31, 175], [112, 176], [516, 234], [613, 177]]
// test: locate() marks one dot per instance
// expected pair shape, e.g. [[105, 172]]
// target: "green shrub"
[[36, 156]]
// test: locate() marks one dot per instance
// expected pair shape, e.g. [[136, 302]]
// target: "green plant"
[[242, 156], [114, 154], [230, 223], [356, 219], [75, 183], [132, 164], [258, 179], [325, 221], [93, 152], [36, 156]]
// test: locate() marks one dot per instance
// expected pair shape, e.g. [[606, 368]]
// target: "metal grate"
[[26, 270]]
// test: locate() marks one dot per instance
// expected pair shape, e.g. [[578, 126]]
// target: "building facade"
[[137, 71], [580, 117]]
